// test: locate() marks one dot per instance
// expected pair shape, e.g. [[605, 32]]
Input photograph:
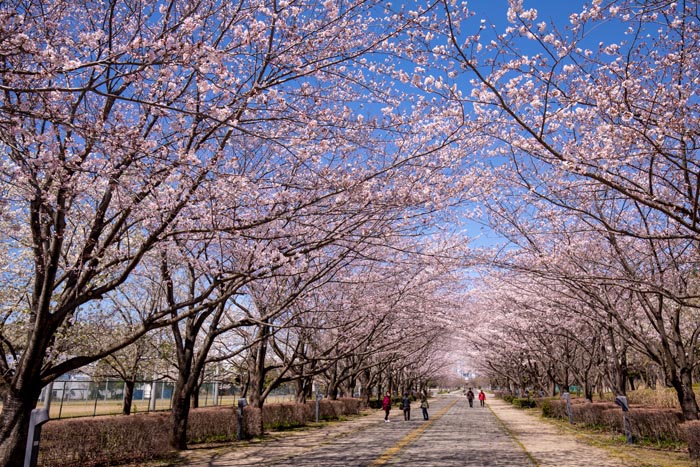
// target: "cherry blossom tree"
[[120, 122], [638, 291], [592, 144]]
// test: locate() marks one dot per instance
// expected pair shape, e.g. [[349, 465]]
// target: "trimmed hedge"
[[524, 403], [656, 425], [101, 440], [691, 431], [89, 442], [653, 424], [221, 424], [280, 416]]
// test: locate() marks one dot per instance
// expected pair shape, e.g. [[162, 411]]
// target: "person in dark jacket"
[[470, 397], [386, 405], [406, 406]]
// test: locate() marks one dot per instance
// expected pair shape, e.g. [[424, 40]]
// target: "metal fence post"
[[63, 394], [318, 405], [152, 400], [215, 395]]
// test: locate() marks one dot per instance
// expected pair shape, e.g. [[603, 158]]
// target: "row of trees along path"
[[266, 184]]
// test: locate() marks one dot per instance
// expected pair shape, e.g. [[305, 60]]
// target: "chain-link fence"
[[83, 397]]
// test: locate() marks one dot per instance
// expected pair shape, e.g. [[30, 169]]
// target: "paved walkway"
[[456, 435], [546, 444]]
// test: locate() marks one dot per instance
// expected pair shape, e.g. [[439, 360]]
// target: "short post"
[[37, 418], [63, 394], [624, 405], [152, 399], [318, 405], [239, 432], [215, 395], [567, 398]]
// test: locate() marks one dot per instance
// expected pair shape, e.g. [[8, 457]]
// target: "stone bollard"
[[241, 404]]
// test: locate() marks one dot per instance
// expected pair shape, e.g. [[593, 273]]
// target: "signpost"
[[36, 420], [624, 405]]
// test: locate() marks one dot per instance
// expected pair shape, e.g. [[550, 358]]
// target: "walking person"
[[470, 397], [482, 397], [386, 405], [424, 406], [406, 406]]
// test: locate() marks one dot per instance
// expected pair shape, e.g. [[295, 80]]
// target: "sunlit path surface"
[[464, 436], [455, 435]]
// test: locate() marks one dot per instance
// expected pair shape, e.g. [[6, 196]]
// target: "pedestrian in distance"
[[406, 406], [386, 405], [470, 397], [424, 406], [482, 397]]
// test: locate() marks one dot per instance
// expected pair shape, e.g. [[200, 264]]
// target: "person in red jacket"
[[386, 405], [482, 397]]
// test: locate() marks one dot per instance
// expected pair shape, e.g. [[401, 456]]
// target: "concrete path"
[[456, 435], [548, 446]]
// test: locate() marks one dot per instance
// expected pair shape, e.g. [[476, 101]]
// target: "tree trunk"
[[257, 377], [686, 397], [588, 390], [300, 391], [128, 396], [333, 383], [18, 403], [257, 372], [303, 390], [179, 417], [14, 424], [622, 372], [195, 395]]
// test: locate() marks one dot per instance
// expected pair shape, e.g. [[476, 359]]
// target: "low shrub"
[[282, 416], [554, 408], [655, 425], [212, 424], [691, 431], [374, 404], [590, 413], [252, 420], [652, 424], [89, 442], [351, 406], [332, 409], [523, 403], [539, 401], [103, 440]]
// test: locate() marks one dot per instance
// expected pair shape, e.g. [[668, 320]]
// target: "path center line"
[[395, 449]]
